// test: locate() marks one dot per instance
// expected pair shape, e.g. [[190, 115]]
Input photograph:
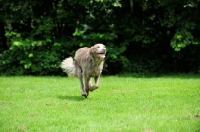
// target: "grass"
[[122, 103]]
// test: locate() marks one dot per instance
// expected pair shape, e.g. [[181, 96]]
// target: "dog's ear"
[[92, 50]]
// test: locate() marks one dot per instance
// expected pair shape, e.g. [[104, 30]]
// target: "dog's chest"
[[94, 71]]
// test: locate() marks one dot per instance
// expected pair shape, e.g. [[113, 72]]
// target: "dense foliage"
[[141, 36]]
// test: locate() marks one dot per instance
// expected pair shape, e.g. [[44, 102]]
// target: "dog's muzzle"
[[102, 54]]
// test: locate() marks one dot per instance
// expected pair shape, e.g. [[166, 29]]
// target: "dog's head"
[[98, 51]]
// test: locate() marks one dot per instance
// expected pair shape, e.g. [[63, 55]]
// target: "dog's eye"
[[98, 46]]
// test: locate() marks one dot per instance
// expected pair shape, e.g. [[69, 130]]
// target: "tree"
[[141, 36]]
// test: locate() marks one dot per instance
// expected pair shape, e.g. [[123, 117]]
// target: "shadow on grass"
[[72, 98]]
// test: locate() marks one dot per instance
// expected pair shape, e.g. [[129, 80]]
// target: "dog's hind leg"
[[87, 84], [80, 77]]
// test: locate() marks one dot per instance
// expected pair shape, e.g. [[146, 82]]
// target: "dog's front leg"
[[90, 83], [96, 79]]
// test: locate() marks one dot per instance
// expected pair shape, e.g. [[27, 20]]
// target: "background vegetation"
[[142, 36]]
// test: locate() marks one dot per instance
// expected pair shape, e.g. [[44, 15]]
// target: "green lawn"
[[122, 103]]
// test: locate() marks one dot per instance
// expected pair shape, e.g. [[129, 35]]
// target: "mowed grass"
[[122, 103]]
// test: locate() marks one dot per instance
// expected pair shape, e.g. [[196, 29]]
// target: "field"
[[121, 104]]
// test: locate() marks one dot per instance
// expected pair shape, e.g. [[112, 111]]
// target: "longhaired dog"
[[87, 63]]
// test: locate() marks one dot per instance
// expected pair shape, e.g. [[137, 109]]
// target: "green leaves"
[[182, 39], [137, 34], [117, 3], [31, 57]]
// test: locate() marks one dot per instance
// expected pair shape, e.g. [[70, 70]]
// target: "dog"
[[87, 63]]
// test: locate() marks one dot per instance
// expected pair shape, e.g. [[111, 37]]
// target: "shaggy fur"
[[87, 63]]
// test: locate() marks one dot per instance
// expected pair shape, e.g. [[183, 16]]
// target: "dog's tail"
[[68, 66]]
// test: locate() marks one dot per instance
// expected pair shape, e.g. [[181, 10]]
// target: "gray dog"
[[87, 63]]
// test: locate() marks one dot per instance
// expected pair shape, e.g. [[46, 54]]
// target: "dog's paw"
[[93, 88], [84, 94]]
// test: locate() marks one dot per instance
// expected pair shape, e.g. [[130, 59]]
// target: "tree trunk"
[[3, 44]]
